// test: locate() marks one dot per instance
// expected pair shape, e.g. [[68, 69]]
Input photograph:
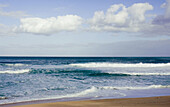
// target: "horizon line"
[[84, 56]]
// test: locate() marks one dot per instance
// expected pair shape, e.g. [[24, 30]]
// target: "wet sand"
[[162, 101]]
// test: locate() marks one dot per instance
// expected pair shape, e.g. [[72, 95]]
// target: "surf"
[[120, 65], [135, 87], [15, 71]]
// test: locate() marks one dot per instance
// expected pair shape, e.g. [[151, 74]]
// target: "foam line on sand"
[[161, 101]]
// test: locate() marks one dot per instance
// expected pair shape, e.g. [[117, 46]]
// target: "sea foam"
[[139, 73], [135, 88], [106, 64], [16, 64], [15, 71]]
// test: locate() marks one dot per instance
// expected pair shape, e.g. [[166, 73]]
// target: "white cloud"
[[117, 18], [137, 12], [120, 18], [50, 25]]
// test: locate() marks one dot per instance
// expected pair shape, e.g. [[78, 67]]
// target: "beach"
[[85, 53], [161, 101], [67, 80]]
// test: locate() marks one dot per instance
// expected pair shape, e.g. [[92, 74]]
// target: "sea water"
[[41, 78]]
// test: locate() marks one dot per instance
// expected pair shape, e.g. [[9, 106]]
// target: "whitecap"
[[141, 73], [135, 88], [16, 64], [125, 65], [15, 71]]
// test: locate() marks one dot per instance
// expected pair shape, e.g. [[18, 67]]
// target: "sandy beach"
[[162, 101]]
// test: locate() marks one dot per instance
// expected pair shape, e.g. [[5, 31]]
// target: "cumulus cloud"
[[50, 25], [117, 18], [120, 18]]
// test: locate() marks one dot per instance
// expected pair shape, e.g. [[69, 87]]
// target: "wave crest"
[[15, 71], [106, 64], [135, 88], [16, 65], [137, 73]]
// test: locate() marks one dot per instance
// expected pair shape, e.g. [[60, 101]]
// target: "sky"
[[84, 27]]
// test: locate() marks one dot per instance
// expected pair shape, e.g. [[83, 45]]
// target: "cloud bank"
[[117, 18], [128, 48]]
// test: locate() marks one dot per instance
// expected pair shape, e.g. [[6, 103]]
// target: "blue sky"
[[85, 27]]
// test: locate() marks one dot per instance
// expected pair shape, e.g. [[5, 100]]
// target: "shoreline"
[[158, 101]]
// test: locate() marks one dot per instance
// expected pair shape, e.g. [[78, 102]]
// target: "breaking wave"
[[87, 91], [138, 73], [108, 74], [79, 94], [15, 71], [105, 64], [83, 72], [135, 88], [15, 64], [97, 89]]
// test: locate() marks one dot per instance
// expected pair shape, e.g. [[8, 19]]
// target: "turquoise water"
[[39, 78]]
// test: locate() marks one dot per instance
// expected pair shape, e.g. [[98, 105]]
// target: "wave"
[[106, 64], [83, 72], [137, 73], [83, 94], [125, 74], [90, 91], [16, 64], [108, 74], [136, 88], [87, 91], [2, 98], [79, 94], [15, 71], [94, 89]]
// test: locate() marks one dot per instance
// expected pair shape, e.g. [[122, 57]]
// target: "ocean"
[[41, 78]]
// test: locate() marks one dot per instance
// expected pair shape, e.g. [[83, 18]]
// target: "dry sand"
[[163, 101]]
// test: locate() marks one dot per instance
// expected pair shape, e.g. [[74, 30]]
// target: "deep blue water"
[[35, 78]]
